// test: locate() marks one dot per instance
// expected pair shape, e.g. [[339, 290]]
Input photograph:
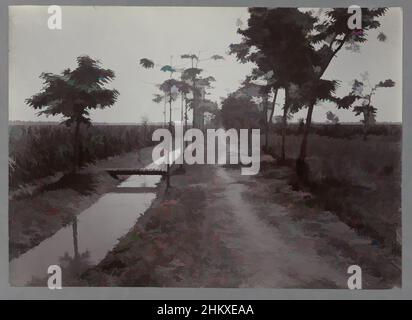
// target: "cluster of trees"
[[73, 93], [362, 93], [190, 87], [240, 112], [292, 49], [191, 81]]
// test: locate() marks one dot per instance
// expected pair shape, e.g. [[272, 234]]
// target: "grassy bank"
[[175, 243], [217, 228], [358, 180]]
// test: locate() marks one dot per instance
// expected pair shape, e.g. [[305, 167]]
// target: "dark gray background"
[[7, 292]]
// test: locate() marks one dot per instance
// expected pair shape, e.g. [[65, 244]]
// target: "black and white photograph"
[[225, 147]]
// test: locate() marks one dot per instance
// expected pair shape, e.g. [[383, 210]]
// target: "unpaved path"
[[217, 228], [277, 242]]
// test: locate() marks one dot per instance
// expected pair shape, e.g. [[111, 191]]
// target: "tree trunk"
[[76, 146], [284, 124], [302, 169], [164, 111], [365, 125], [75, 241], [170, 148], [181, 143], [265, 113], [306, 130], [76, 255], [170, 113], [194, 103], [181, 110], [185, 126], [269, 121]]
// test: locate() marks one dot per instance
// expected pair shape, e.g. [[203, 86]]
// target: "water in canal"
[[89, 237]]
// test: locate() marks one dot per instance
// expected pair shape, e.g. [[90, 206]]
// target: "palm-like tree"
[[299, 46], [149, 64], [192, 76], [365, 99], [331, 34], [73, 93]]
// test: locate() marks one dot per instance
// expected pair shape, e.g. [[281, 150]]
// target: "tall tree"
[[73, 93], [309, 94], [149, 64], [332, 33], [192, 76], [259, 86], [362, 93], [276, 40]]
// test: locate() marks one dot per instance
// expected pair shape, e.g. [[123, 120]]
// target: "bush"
[[240, 113]]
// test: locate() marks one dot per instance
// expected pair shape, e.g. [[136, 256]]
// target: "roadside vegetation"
[[357, 180], [38, 151], [292, 49]]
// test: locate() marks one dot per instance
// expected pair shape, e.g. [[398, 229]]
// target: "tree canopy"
[[73, 93]]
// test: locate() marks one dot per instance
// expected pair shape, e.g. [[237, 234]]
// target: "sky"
[[120, 36]]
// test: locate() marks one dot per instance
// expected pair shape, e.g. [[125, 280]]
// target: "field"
[[358, 180], [39, 151], [44, 194], [343, 130], [350, 207]]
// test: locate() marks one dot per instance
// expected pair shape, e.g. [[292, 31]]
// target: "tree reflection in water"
[[72, 265]]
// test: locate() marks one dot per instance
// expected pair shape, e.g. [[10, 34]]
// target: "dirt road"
[[217, 228]]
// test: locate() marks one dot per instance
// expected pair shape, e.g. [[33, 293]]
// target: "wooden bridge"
[[141, 171]]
